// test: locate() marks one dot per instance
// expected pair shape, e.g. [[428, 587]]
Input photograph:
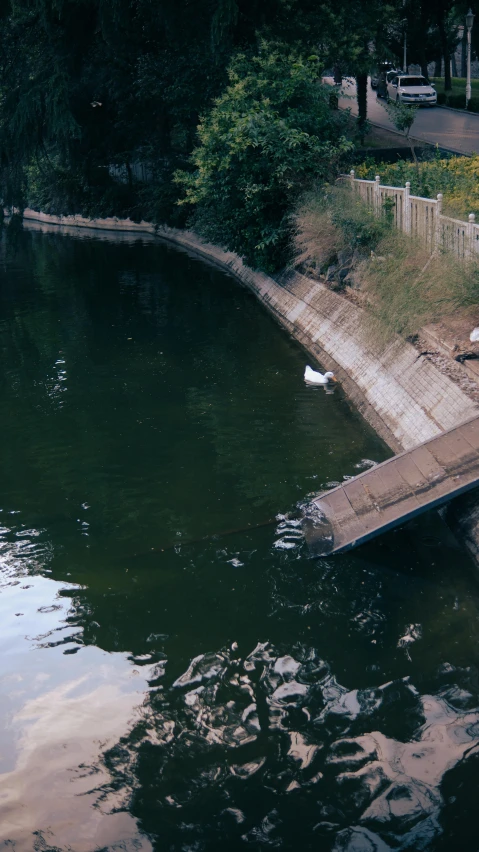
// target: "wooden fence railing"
[[421, 217]]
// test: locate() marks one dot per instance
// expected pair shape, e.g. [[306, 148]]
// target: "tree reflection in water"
[[230, 693], [264, 744]]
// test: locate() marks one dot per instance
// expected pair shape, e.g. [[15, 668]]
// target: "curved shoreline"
[[403, 396]]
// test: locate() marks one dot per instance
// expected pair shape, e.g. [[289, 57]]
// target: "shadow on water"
[[229, 692]]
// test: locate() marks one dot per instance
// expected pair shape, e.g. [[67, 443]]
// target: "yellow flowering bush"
[[457, 178]]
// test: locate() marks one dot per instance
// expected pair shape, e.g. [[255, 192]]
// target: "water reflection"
[[254, 741], [58, 712], [304, 737], [176, 672]]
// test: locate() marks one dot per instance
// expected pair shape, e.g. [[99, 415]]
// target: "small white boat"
[[311, 377]]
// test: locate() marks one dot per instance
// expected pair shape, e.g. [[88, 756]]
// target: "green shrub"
[[269, 135], [457, 178], [441, 98], [473, 105], [61, 191], [456, 101]]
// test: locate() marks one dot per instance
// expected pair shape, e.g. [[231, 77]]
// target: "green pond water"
[[176, 672]]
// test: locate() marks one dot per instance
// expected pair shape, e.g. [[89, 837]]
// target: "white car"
[[409, 89]]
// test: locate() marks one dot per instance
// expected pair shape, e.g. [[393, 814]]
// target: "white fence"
[[421, 217]]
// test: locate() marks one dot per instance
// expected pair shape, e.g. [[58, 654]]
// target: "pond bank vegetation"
[[394, 276]]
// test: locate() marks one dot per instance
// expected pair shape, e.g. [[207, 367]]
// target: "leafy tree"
[[268, 135], [356, 34], [403, 117], [86, 84]]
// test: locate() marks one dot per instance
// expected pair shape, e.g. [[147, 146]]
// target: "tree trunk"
[[129, 174], [422, 49], [362, 96], [338, 76], [445, 50], [438, 67]]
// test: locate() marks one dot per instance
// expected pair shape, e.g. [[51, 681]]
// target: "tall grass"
[[331, 220], [409, 288], [402, 285]]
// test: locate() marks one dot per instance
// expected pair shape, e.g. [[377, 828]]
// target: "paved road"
[[454, 130]]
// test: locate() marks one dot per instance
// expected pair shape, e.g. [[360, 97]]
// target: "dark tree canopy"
[[91, 86]]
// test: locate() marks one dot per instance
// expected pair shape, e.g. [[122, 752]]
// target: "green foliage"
[[457, 178], [267, 137], [359, 226], [388, 208], [402, 116], [88, 84], [457, 101], [85, 84], [457, 96], [55, 189]]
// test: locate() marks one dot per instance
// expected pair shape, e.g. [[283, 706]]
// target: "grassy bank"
[[457, 96], [392, 275]]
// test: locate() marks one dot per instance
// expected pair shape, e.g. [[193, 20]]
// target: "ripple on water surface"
[[176, 672]]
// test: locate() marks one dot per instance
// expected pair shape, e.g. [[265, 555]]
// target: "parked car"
[[409, 89], [379, 73], [382, 83]]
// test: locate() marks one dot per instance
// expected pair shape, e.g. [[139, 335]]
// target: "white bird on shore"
[[311, 377], [474, 335]]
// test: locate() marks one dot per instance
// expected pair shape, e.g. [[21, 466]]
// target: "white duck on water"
[[311, 377]]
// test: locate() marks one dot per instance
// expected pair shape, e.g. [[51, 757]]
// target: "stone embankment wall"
[[403, 396]]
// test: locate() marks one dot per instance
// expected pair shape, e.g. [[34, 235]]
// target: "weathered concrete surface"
[[403, 396], [111, 224], [395, 491]]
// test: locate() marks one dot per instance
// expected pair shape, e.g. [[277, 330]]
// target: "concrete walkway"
[[450, 129], [395, 491]]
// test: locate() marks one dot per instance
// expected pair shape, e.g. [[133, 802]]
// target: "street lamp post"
[[469, 23], [404, 58]]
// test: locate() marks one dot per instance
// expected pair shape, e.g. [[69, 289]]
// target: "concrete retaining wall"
[[403, 396]]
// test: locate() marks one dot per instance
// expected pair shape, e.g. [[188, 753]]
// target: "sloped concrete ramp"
[[391, 493]]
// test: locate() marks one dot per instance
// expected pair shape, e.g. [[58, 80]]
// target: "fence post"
[[407, 208], [377, 196], [470, 235], [351, 175], [437, 237]]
